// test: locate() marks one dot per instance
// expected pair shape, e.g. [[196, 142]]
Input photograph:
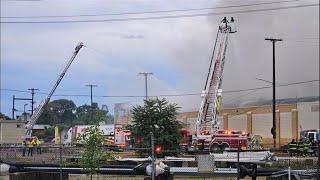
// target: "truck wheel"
[[215, 148], [224, 146]]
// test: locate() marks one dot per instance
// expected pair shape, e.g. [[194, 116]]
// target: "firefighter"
[[252, 142], [24, 148], [306, 146], [292, 147], [38, 144], [300, 148], [257, 142], [224, 25], [34, 144], [30, 147], [232, 27]]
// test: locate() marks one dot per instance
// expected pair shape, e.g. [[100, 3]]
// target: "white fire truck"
[[113, 137]]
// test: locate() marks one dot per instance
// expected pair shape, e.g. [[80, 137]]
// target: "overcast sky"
[[177, 50]]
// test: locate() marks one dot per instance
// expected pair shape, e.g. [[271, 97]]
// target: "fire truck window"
[[311, 136]]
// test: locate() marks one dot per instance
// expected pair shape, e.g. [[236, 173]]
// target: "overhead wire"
[[159, 17], [162, 95], [151, 12]]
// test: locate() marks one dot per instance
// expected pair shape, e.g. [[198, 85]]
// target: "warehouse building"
[[290, 120]]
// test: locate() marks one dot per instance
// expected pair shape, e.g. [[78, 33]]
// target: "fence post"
[[289, 169], [318, 163], [60, 151], [152, 152], [0, 152], [238, 161]]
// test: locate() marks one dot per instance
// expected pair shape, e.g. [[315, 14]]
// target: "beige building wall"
[[191, 124], [11, 131], [285, 125], [238, 122], [122, 115], [261, 124], [308, 115]]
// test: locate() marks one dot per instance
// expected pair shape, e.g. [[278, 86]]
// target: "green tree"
[[83, 115], [157, 116], [93, 156], [58, 111], [3, 116]]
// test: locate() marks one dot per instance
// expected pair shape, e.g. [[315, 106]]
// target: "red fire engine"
[[228, 140], [207, 135], [223, 140]]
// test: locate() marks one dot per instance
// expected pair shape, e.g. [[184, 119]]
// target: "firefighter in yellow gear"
[[24, 148], [30, 147], [218, 104], [38, 144], [252, 142], [34, 144]]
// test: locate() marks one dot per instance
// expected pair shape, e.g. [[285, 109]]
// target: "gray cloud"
[[183, 46]]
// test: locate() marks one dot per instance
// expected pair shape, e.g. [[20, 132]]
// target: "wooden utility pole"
[[273, 129]]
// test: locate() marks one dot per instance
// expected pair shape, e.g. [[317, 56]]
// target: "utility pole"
[[13, 104], [13, 109], [145, 74], [32, 98], [91, 106], [273, 129]]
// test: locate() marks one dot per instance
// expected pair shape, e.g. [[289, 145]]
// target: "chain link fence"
[[185, 165]]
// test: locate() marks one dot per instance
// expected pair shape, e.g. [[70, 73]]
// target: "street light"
[[24, 108]]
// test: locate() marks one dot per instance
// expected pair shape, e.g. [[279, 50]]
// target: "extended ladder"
[[38, 111], [211, 95]]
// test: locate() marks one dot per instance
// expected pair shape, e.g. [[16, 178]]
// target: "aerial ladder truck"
[[208, 136], [38, 111]]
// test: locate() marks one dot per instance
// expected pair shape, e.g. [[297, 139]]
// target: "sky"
[[177, 50]]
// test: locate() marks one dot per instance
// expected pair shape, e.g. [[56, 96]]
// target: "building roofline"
[[12, 121]]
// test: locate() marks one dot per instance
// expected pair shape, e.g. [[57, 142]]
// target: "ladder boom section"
[[35, 116], [211, 95]]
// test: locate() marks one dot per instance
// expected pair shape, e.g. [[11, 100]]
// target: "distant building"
[[11, 131], [40, 128], [105, 107], [122, 115]]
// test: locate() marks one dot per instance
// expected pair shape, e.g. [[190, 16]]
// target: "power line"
[[164, 95], [149, 12], [159, 17]]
